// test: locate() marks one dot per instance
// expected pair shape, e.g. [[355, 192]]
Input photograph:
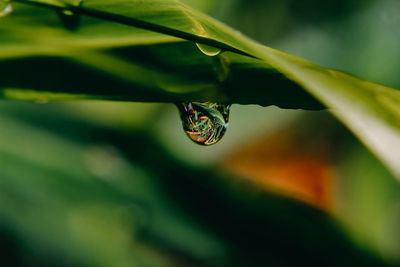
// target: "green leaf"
[[371, 111], [106, 60], [118, 53]]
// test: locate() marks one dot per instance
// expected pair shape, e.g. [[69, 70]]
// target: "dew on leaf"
[[204, 123], [69, 19], [5, 8], [208, 50]]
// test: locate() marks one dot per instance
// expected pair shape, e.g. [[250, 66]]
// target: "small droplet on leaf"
[[5, 8], [69, 19], [209, 50], [204, 123]]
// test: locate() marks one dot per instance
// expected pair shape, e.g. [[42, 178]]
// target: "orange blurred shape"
[[288, 165]]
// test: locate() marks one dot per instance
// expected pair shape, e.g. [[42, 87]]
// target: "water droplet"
[[5, 8], [69, 19], [205, 123], [209, 50]]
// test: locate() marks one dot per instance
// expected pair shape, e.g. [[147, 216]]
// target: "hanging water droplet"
[[205, 123], [5, 8], [209, 50], [69, 19]]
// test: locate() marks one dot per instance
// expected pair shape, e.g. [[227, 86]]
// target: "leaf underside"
[[145, 51]]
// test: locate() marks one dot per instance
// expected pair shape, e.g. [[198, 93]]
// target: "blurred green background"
[[119, 184]]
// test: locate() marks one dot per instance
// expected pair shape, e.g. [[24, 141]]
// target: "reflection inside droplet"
[[5, 8], [67, 12], [208, 50], [205, 123], [42, 101]]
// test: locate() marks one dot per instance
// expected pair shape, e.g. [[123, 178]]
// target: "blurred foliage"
[[89, 195], [357, 36], [119, 184], [280, 17]]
